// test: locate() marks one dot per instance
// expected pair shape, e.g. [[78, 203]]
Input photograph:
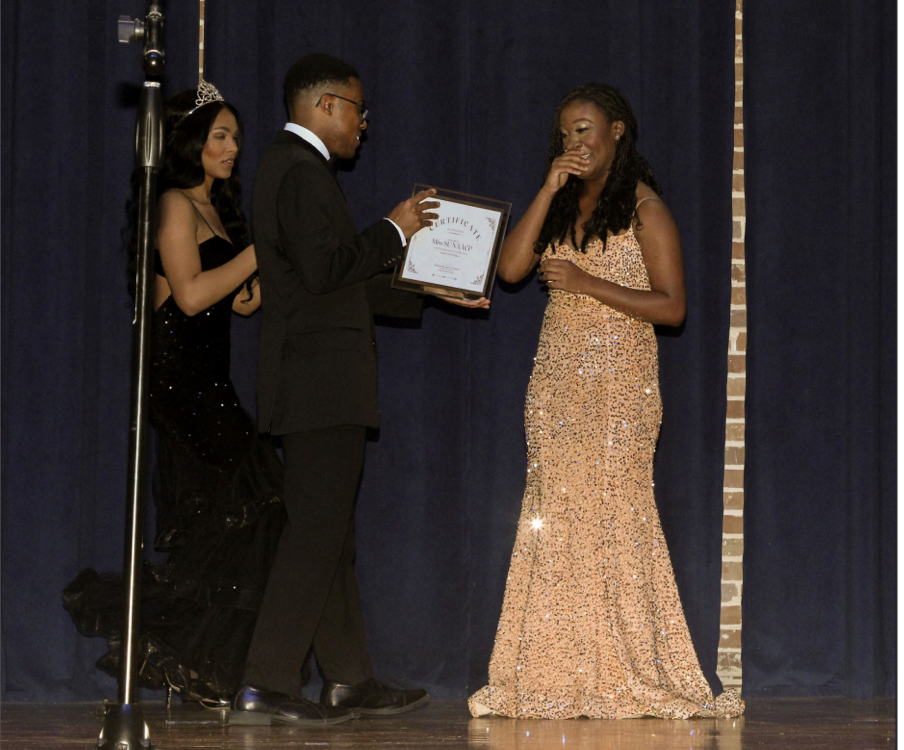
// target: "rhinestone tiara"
[[207, 93]]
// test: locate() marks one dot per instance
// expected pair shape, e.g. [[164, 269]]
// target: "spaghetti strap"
[[197, 210], [636, 217]]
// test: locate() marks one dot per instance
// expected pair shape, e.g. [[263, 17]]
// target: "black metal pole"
[[124, 725], [147, 150]]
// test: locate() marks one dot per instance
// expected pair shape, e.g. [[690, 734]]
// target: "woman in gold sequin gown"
[[591, 623]]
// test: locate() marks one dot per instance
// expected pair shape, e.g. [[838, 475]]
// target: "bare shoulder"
[[173, 197], [653, 215], [175, 207], [174, 202]]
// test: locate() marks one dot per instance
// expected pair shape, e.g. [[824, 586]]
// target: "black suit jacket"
[[317, 362]]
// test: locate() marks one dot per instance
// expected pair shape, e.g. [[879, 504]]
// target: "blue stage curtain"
[[462, 96], [819, 568]]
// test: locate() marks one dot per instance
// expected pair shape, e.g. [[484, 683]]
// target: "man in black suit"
[[317, 388]]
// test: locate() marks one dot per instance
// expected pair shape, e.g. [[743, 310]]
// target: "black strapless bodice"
[[191, 395]]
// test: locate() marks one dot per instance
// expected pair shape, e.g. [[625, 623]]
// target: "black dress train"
[[217, 491]]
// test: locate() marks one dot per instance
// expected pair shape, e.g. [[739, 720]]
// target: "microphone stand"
[[124, 725]]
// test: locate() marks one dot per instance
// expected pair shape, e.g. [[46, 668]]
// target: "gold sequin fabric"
[[591, 621]]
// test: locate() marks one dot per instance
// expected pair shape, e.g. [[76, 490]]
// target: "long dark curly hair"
[[184, 138], [617, 203]]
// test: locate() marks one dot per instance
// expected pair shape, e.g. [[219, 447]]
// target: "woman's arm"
[[194, 290], [518, 258], [665, 303], [244, 306]]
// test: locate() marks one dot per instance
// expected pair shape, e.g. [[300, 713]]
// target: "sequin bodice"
[[621, 262], [191, 394], [592, 624]]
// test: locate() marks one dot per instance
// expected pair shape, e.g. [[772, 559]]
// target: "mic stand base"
[[124, 729]]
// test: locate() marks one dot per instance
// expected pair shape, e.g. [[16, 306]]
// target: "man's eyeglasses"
[[360, 105]]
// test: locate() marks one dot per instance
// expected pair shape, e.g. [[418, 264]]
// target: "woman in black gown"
[[218, 483]]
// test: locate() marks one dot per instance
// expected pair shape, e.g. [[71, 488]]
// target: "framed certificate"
[[457, 256]]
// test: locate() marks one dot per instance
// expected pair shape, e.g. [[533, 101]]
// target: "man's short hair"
[[313, 70]]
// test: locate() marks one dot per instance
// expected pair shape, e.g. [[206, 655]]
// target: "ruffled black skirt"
[[198, 609]]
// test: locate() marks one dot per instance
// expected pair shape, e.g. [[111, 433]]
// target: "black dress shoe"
[[256, 706], [371, 698]]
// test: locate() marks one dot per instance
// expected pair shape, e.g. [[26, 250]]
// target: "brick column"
[[729, 663]]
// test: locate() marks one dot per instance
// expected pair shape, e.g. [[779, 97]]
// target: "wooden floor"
[[787, 723]]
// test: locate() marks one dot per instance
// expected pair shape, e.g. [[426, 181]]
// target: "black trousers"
[[312, 598]]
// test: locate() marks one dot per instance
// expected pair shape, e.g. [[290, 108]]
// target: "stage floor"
[[786, 723]]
